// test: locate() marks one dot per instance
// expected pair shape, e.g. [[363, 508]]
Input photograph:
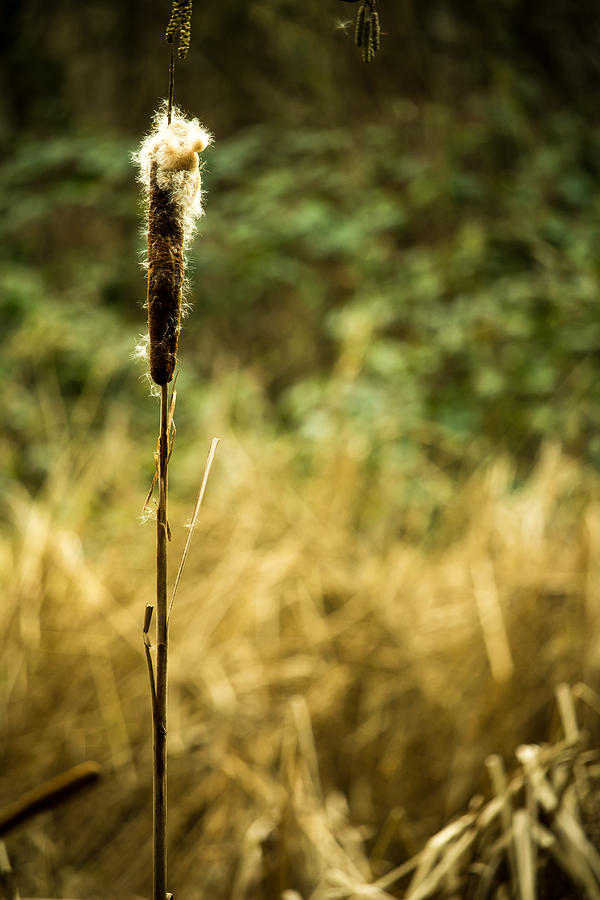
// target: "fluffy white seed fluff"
[[175, 149]]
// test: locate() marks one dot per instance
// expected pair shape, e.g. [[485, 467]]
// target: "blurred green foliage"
[[424, 281], [395, 285]]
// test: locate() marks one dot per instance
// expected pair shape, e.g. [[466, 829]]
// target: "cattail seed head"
[[165, 279], [170, 174]]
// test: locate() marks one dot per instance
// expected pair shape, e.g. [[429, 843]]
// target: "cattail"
[[170, 173], [165, 279]]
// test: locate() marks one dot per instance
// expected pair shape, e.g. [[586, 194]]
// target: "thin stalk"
[[171, 85], [160, 710]]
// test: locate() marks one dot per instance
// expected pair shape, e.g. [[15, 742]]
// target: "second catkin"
[[170, 174]]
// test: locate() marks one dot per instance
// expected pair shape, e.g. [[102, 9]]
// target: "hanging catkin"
[[180, 21], [170, 173], [367, 30]]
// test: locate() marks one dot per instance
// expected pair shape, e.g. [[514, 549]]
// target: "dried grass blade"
[[489, 871], [495, 767], [566, 709], [306, 743], [524, 855], [532, 759], [582, 853], [427, 861], [211, 455], [49, 794], [432, 882], [434, 847], [588, 695], [398, 873], [491, 620]]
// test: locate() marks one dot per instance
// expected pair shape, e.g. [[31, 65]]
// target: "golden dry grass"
[[340, 668]]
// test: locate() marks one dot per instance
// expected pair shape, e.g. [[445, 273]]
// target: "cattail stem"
[[160, 710], [170, 174], [171, 86]]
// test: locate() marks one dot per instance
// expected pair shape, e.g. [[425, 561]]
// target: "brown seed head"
[[170, 174], [165, 280]]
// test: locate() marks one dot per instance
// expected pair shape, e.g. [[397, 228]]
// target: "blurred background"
[[395, 333]]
